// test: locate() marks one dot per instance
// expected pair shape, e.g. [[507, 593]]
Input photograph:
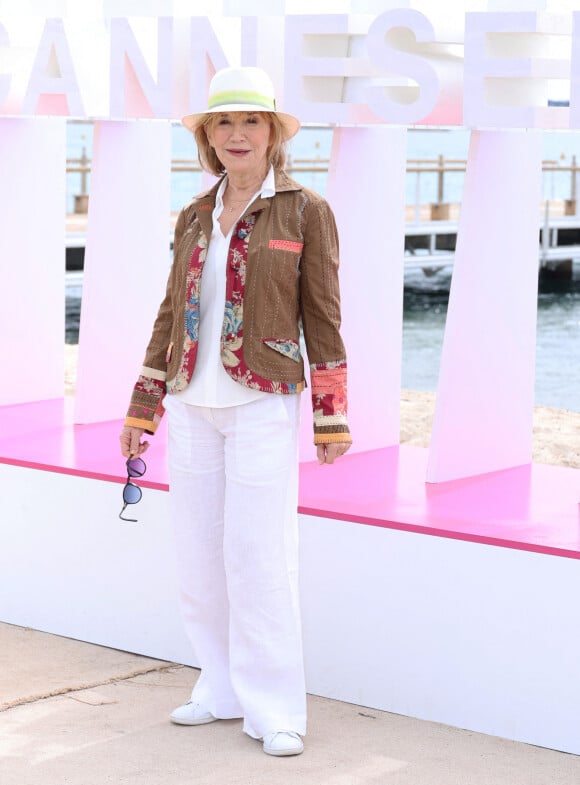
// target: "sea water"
[[425, 301]]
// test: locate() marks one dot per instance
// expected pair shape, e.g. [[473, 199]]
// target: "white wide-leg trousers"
[[234, 495]]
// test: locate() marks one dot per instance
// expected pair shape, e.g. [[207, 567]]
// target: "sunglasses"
[[131, 492]]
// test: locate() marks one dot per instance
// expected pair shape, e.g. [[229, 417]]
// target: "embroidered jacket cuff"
[[329, 402], [146, 409], [321, 437]]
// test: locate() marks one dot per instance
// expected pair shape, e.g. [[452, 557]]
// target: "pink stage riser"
[[69, 566], [473, 635]]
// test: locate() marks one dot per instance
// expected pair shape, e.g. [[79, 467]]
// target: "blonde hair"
[[208, 159]]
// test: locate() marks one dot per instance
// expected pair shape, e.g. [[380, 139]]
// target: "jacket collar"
[[204, 203]]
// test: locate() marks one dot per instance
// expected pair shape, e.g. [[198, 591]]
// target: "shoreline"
[[556, 432]]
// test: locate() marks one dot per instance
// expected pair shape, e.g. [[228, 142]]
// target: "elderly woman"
[[255, 258]]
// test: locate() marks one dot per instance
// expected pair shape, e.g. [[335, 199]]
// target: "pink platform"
[[530, 508]]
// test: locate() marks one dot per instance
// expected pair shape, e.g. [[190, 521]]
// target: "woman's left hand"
[[328, 453]]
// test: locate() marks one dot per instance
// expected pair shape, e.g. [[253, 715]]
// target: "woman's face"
[[240, 140]]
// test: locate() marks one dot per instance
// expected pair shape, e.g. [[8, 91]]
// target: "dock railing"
[[431, 198]]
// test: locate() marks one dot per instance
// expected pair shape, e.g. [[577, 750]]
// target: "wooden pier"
[[429, 245], [431, 228]]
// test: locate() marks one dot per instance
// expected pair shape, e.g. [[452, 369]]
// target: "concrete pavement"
[[72, 713]]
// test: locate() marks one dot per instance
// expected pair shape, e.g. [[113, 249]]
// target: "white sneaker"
[[191, 714], [283, 742]]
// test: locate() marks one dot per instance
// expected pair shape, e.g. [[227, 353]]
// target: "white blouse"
[[210, 384]]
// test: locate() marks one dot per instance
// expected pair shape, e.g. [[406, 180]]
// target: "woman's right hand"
[[131, 445]]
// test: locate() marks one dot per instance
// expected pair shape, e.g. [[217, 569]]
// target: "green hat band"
[[241, 97]]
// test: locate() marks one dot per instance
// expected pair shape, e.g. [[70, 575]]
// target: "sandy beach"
[[556, 431]]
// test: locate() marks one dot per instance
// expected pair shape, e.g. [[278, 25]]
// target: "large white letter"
[[485, 395], [53, 81], [575, 73], [134, 92], [126, 241], [501, 89], [384, 46], [32, 165], [317, 48], [258, 32], [207, 56], [4, 78]]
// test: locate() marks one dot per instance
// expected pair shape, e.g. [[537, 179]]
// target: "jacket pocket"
[[286, 245], [286, 346], [286, 255]]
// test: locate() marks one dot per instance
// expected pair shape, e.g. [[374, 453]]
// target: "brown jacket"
[[282, 271]]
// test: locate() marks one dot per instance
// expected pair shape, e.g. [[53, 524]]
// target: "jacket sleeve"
[[320, 310], [145, 409]]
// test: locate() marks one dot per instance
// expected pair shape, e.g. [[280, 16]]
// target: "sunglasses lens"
[[131, 494], [136, 467]]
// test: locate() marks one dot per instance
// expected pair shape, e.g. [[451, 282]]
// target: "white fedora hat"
[[245, 89]]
